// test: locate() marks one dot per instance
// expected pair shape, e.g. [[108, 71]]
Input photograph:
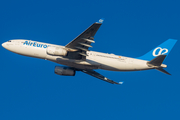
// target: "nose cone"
[[4, 44]]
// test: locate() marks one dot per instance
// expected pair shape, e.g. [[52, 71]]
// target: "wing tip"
[[100, 21], [120, 83]]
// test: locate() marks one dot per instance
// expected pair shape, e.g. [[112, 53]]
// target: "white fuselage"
[[94, 60]]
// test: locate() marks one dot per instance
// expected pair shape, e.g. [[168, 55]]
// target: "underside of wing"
[[99, 76], [80, 45]]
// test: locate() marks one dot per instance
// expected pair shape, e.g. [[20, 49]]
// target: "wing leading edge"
[[80, 45]]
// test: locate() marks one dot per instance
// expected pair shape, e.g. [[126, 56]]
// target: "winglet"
[[121, 83], [100, 20]]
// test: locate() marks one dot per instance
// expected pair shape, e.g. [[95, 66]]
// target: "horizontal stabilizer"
[[162, 70], [157, 61]]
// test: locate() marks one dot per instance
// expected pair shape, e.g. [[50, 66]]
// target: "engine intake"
[[66, 71], [56, 51]]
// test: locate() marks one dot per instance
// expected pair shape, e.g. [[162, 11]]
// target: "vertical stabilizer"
[[162, 49]]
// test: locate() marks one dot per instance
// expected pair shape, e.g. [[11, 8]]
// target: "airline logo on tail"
[[162, 51]]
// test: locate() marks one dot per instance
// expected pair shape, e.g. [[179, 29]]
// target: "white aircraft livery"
[[76, 56]]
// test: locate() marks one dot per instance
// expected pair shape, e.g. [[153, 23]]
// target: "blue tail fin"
[[162, 49]]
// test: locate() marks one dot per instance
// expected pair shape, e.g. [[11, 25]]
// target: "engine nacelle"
[[56, 51], [64, 71]]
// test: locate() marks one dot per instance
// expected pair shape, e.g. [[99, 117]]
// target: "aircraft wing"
[[99, 76], [80, 45]]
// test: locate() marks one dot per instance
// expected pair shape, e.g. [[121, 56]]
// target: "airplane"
[[76, 56]]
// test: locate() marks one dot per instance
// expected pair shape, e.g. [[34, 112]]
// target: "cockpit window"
[[9, 41]]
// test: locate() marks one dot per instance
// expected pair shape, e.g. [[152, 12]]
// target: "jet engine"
[[56, 51], [66, 71]]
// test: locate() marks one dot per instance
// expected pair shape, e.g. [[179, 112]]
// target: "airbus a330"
[[76, 56]]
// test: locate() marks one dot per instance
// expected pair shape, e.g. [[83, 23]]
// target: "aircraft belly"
[[79, 64], [116, 66], [119, 65], [75, 64], [106, 64]]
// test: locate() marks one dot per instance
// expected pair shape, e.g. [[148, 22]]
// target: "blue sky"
[[29, 89]]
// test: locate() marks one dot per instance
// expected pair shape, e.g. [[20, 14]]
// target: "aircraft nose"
[[3, 45]]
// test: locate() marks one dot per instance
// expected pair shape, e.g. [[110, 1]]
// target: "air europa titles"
[[35, 44]]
